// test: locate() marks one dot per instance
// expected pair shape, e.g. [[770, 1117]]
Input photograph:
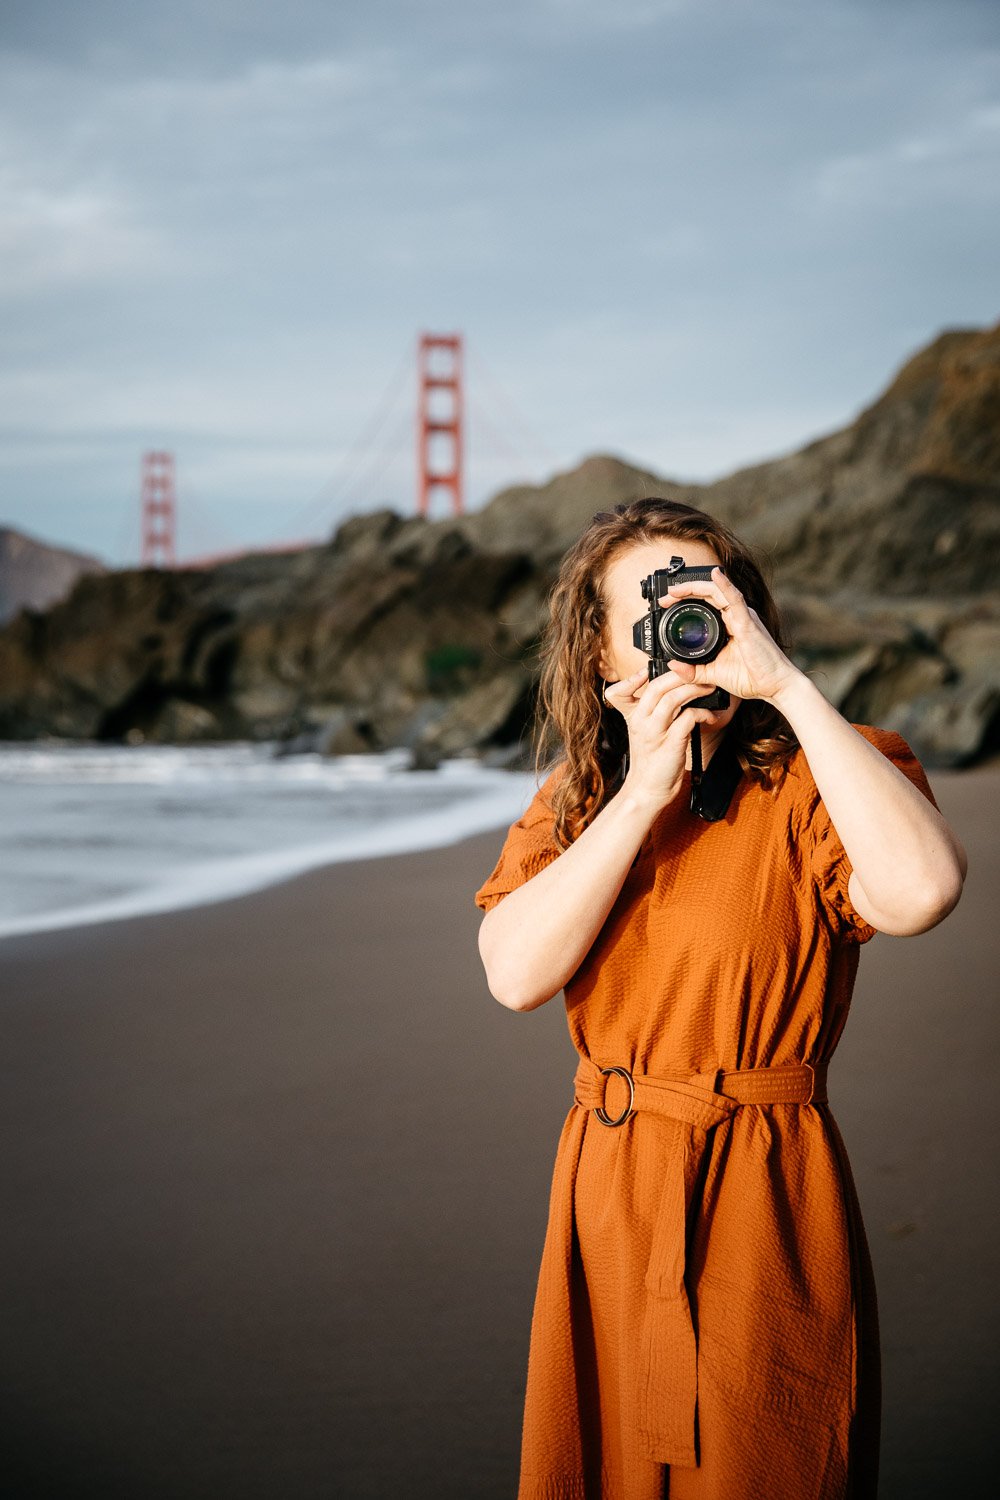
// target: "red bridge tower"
[[439, 416], [159, 510]]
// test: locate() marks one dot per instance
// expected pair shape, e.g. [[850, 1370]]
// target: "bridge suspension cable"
[[509, 414], [334, 491]]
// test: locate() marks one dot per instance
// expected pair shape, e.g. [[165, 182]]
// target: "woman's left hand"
[[750, 664]]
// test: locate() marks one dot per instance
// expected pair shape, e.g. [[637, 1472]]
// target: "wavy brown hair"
[[571, 716]]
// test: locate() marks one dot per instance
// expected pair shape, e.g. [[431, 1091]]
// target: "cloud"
[[55, 236], [962, 153], [110, 176]]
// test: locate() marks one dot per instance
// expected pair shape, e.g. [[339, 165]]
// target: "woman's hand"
[[750, 664], [659, 730]]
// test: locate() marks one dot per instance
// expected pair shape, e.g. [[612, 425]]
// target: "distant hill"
[[35, 573], [881, 539]]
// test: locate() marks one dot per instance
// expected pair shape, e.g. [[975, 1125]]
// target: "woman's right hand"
[[659, 730]]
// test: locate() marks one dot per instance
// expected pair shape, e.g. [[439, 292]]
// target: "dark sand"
[[275, 1184]]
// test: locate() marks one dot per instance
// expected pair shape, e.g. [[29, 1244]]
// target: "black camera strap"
[[712, 787]]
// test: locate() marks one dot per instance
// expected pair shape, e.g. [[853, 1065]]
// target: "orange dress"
[[705, 1322]]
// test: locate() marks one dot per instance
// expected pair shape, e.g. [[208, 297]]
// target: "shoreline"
[[207, 882]]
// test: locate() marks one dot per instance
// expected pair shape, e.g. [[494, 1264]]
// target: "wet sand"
[[275, 1180]]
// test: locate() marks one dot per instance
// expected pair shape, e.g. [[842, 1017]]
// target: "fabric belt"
[[668, 1350]]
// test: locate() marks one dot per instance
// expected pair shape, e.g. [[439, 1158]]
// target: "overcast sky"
[[695, 233]]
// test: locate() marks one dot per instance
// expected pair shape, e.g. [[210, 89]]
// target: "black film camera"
[[686, 630]]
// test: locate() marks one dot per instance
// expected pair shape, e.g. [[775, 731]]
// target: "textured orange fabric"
[[731, 946]]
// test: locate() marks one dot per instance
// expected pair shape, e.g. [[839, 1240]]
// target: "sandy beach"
[[275, 1181]]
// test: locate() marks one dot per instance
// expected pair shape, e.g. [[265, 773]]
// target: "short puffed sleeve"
[[820, 859], [529, 846]]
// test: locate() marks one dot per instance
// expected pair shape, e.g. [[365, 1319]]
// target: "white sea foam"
[[95, 833]]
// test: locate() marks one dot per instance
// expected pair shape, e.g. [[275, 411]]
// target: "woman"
[[705, 1323]]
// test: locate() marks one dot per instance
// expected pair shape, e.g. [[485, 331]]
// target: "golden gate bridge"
[[438, 428]]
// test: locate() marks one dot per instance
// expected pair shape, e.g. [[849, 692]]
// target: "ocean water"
[[96, 832]]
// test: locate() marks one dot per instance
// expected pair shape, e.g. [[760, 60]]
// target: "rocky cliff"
[[882, 540], [34, 574]]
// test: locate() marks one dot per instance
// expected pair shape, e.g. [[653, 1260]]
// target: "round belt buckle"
[[602, 1114]]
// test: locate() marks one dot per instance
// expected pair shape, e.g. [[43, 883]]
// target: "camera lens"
[[689, 630]]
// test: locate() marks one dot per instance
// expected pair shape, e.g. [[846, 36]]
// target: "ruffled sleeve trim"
[[530, 845], [817, 855]]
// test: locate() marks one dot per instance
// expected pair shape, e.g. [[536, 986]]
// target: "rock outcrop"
[[35, 575], [881, 541]]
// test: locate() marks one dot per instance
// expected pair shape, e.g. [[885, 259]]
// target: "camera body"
[[686, 630]]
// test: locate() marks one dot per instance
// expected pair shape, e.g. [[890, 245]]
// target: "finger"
[[631, 695], [680, 675], [623, 691], [691, 671], [687, 720], [719, 590], [664, 696], [718, 578], [671, 680], [717, 587], [671, 707]]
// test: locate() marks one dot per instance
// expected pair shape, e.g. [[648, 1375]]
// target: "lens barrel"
[[691, 630]]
